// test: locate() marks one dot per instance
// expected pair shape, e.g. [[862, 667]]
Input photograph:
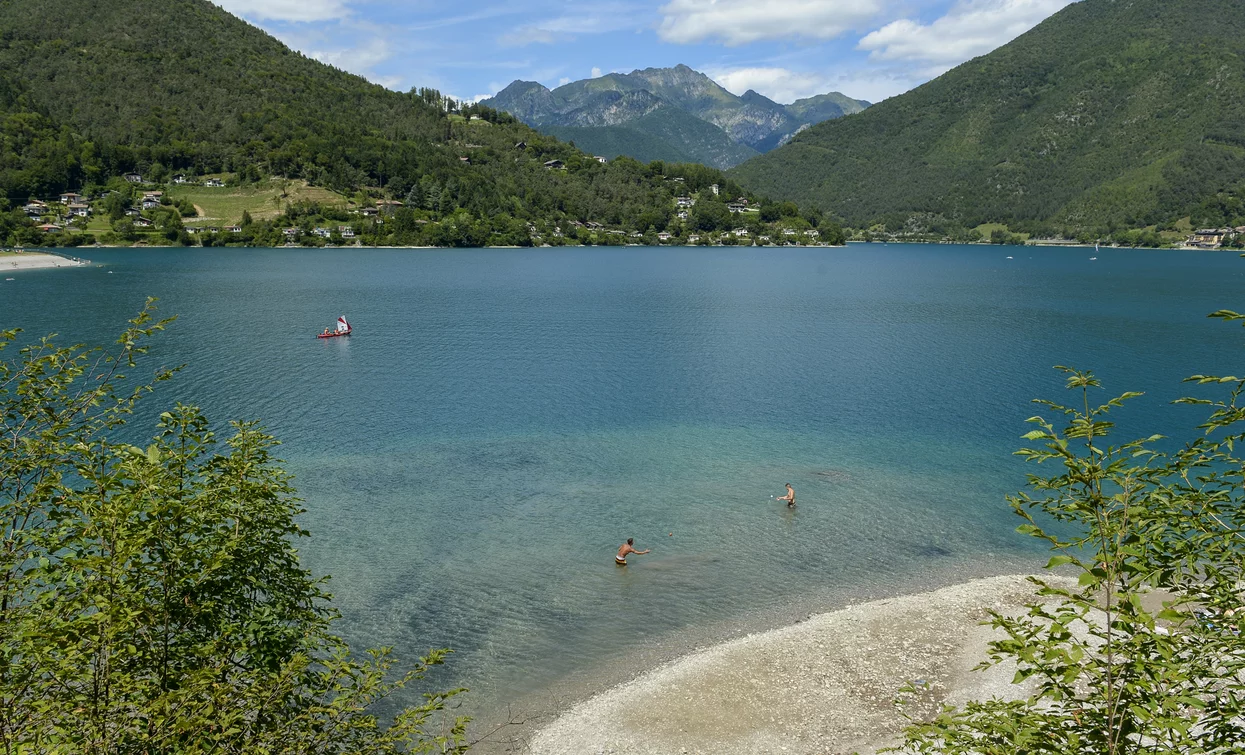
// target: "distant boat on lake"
[[343, 329]]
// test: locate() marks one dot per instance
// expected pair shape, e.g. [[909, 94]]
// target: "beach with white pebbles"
[[824, 685]]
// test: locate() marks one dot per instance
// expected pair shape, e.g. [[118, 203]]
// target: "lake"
[[503, 419]]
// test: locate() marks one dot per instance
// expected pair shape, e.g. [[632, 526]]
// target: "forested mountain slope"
[[665, 133], [1108, 113], [90, 90]]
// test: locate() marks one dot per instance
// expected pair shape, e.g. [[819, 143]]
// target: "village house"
[[520, 145], [35, 209], [291, 233], [763, 239], [555, 165], [49, 228], [150, 203], [79, 210], [368, 212], [636, 235], [143, 222], [70, 198], [812, 234], [134, 178], [788, 232], [593, 226], [684, 201], [346, 231], [180, 180], [1208, 237], [663, 236], [682, 215], [215, 183], [599, 159], [693, 239], [714, 189], [323, 233], [466, 160], [736, 207], [388, 206], [740, 232], [233, 229]]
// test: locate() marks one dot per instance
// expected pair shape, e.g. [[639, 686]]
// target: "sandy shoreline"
[[825, 685], [34, 260]]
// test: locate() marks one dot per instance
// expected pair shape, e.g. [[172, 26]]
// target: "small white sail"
[[342, 325]]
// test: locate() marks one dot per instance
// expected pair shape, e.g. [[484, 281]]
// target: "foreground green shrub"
[[151, 599], [1146, 655]]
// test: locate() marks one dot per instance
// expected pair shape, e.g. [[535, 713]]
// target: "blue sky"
[[869, 49]]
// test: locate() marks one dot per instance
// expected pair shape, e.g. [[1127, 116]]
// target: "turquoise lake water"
[[503, 419]]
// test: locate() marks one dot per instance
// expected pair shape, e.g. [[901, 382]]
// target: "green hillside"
[[612, 141], [1106, 114], [824, 107], [666, 133], [90, 91]]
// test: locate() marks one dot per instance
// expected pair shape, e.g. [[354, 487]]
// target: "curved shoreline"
[[10, 261], [822, 685]]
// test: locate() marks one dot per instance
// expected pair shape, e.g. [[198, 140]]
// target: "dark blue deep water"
[[503, 419]]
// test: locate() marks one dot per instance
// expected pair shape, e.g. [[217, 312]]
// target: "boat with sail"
[[343, 329]]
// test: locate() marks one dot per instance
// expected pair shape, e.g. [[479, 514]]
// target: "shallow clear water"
[[503, 419]]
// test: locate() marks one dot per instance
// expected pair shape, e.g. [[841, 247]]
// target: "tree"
[[151, 599], [1116, 675]]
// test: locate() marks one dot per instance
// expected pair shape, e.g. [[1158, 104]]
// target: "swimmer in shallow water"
[[789, 497], [625, 550]]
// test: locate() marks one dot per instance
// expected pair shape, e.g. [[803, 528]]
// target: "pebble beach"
[[824, 685], [10, 261]]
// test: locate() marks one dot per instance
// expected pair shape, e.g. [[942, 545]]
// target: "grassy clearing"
[[224, 206], [985, 229]]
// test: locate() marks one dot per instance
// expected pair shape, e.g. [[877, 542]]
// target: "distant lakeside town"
[[220, 210]]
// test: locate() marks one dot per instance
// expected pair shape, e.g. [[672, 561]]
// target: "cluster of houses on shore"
[[1213, 238]]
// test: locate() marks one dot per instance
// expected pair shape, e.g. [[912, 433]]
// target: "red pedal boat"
[[343, 329]]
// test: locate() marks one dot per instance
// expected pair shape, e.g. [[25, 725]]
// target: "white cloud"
[[970, 28], [596, 72], [358, 60], [593, 19], [286, 10], [779, 84], [785, 86], [737, 22]]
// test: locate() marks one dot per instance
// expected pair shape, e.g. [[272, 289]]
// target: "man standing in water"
[[627, 549], [789, 497]]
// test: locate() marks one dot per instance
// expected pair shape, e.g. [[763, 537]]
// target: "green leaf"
[[1056, 561]]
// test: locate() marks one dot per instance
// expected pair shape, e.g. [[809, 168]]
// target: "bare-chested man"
[[627, 549], [789, 497]]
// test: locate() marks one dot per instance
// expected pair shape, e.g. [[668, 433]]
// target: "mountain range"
[[675, 114], [1108, 113]]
